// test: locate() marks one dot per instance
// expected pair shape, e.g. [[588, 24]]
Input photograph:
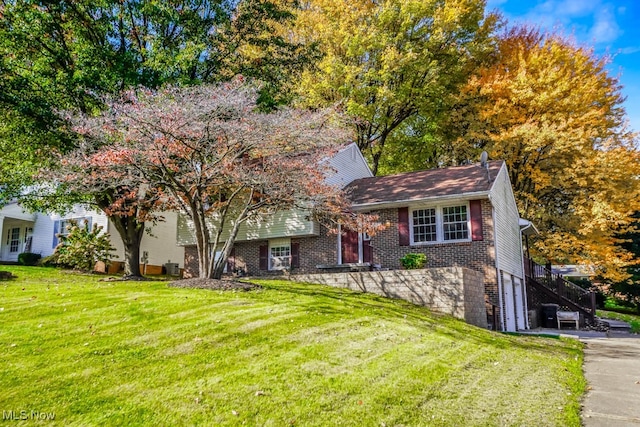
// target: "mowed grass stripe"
[[110, 353]]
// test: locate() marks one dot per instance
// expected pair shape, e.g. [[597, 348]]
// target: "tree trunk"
[[218, 270], [203, 240], [131, 232]]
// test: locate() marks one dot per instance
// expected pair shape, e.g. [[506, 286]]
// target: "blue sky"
[[609, 26]]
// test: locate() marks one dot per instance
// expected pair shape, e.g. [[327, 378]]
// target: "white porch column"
[[2, 245]]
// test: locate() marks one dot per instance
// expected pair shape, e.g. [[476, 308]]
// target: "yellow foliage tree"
[[551, 110], [387, 61]]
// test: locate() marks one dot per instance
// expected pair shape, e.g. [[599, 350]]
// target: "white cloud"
[[629, 50], [605, 29], [592, 21], [573, 8]]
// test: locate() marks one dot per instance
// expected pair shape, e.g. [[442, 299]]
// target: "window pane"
[[424, 225], [280, 257], [454, 221], [15, 240]]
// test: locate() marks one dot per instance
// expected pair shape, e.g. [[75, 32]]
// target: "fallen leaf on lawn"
[[259, 393]]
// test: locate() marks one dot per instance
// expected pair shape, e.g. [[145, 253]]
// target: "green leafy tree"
[[67, 55], [627, 291]]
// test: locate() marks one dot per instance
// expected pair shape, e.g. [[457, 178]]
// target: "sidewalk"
[[612, 370]]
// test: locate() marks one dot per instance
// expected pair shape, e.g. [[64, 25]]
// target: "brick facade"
[[322, 250], [478, 255]]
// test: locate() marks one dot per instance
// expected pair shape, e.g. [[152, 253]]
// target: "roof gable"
[[448, 182]]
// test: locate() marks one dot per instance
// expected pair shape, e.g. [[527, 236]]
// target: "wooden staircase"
[[556, 289]]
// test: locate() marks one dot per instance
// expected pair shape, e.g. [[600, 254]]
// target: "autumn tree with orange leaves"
[[553, 112], [208, 153]]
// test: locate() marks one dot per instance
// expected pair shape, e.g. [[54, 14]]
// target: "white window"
[[440, 224], [424, 225], [455, 223], [65, 224], [14, 239], [279, 254]]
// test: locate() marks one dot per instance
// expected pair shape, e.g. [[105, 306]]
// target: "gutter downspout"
[[524, 284]]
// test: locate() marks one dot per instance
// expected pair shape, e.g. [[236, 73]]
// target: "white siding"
[[12, 216], [293, 223], [44, 224], [348, 165], [508, 239], [159, 241], [14, 210]]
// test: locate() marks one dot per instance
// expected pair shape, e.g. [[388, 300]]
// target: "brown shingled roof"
[[415, 186]]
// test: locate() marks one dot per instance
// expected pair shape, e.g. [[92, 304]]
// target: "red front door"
[[349, 247]]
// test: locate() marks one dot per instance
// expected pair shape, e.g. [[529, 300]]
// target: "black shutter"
[[403, 226], [264, 257], [475, 213], [295, 255]]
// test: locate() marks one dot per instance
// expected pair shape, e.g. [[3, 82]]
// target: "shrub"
[[28, 258], [412, 261], [81, 248]]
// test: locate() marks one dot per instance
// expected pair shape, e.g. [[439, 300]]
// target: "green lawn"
[[141, 353]]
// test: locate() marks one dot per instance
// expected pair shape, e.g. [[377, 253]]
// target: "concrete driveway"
[[612, 370]]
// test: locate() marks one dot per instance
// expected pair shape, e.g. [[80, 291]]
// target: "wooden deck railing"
[[566, 293]]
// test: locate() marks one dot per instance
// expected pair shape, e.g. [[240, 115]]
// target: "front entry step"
[[617, 325]]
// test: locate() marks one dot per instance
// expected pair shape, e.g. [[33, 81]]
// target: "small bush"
[[28, 258], [413, 261], [82, 248]]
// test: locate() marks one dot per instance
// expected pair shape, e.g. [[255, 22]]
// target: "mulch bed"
[[213, 284], [5, 275]]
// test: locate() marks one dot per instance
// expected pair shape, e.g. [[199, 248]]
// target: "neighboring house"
[[462, 216], [37, 233], [571, 272]]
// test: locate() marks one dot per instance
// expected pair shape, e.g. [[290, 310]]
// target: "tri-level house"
[[463, 216]]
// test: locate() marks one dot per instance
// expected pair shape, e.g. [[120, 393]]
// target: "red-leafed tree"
[[209, 153]]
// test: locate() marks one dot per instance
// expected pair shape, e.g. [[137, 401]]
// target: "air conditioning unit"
[[172, 269]]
